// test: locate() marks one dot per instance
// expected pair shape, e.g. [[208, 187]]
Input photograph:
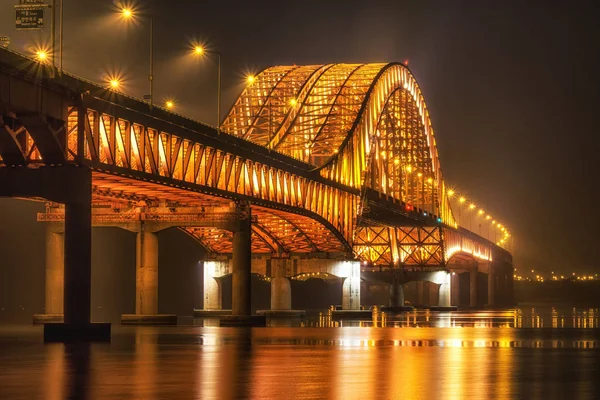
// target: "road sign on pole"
[[29, 16], [4, 41]]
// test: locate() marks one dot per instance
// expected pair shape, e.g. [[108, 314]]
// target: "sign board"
[[4, 41], [29, 16]]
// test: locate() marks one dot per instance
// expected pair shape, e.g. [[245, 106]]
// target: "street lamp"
[[200, 51], [170, 104], [128, 14], [41, 55], [471, 207]]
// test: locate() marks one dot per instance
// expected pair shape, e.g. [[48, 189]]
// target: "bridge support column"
[[78, 272], [241, 295], [146, 282], [146, 273], [444, 291], [455, 288], [241, 283], [491, 285], [213, 270], [55, 276], [473, 287], [420, 297], [72, 186], [351, 285], [281, 289], [396, 291]]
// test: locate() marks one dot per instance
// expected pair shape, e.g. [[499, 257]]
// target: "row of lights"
[[115, 82], [481, 213], [554, 277]]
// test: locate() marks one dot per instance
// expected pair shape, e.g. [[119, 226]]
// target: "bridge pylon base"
[[41, 319], [68, 333], [158, 319], [243, 320]]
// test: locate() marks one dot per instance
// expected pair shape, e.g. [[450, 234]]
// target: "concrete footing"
[[243, 320], [210, 313], [396, 309], [443, 308], [158, 319], [351, 314], [40, 319], [68, 333], [282, 313]]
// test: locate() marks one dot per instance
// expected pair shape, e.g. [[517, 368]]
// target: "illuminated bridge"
[[322, 168]]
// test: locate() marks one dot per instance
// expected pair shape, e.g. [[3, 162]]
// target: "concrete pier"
[[350, 270], [146, 273], [455, 288], [473, 287], [444, 291], [396, 292], [146, 282], [420, 293], [492, 278], [78, 271], [241, 295], [281, 289], [213, 270], [55, 276]]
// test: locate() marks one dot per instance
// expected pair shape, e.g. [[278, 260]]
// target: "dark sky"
[[512, 88]]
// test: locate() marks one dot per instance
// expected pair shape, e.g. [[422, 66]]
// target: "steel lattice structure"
[[304, 145], [362, 125]]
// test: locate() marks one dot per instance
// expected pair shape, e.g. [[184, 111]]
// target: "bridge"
[[327, 169]]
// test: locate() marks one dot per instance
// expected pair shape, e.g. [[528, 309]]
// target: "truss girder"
[[11, 144], [362, 125], [394, 246], [275, 230], [272, 232], [48, 135], [149, 153], [128, 155]]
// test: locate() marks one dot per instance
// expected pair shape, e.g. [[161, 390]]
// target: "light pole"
[[199, 51], [479, 214], [128, 14], [471, 207], [461, 201]]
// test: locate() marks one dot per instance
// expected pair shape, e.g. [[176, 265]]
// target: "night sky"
[[512, 88]]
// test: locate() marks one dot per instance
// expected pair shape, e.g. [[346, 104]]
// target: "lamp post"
[[128, 14], [471, 207], [199, 51], [461, 201]]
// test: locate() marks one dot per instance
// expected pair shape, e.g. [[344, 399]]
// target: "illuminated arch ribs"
[[274, 232], [362, 125]]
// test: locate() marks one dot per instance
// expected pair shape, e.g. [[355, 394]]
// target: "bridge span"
[[333, 168]]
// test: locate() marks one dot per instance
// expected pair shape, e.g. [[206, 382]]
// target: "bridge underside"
[[274, 231]]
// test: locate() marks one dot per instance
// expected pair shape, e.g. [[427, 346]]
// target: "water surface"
[[528, 353]]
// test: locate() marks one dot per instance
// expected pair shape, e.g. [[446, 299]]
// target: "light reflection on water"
[[476, 355], [516, 318]]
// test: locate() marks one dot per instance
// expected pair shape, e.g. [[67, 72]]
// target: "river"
[[524, 353]]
